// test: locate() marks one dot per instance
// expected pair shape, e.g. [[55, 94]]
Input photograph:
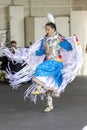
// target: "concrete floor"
[[70, 111]]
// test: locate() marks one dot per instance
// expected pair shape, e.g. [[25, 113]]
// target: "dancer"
[[51, 63], [52, 76]]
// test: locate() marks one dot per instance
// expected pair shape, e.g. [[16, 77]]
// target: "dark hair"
[[13, 42], [52, 25]]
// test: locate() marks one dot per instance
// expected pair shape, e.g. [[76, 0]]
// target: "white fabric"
[[84, 128], [26, 56], [72, 61]]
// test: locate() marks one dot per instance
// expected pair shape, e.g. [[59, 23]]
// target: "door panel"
[[79, 27]]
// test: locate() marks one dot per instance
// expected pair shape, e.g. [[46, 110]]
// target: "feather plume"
[[51, 18]]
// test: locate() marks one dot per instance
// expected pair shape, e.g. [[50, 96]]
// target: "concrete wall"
[[41, 8]]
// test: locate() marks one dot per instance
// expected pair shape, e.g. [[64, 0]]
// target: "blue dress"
[[52, 66]]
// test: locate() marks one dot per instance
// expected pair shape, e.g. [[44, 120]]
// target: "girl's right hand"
[[61, 38]]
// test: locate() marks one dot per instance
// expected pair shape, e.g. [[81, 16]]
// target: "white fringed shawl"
[[72, 61]]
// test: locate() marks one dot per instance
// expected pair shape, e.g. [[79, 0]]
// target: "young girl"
[[51, 63], [49, 72]]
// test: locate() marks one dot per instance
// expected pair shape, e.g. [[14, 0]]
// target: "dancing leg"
[[49, 102]]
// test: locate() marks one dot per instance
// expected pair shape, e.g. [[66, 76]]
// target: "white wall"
[[35, 28], [41, 8], [79, 27], [16, 25]]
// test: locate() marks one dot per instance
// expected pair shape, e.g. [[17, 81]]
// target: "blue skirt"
[[50, 68]]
